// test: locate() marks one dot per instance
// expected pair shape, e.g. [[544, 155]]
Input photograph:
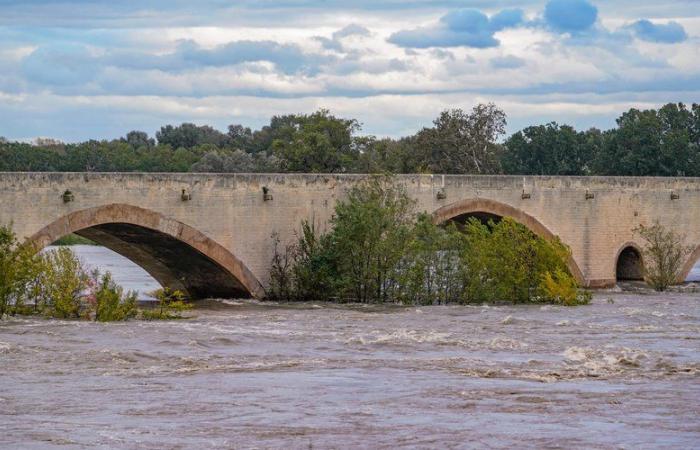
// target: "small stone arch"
[[493, 207], [124, 228], [629, 262], [690, 263]]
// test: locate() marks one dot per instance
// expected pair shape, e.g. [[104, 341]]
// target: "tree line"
[[653, 142]]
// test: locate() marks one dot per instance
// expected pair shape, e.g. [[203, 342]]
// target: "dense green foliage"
[[55, 284], [18, 266], [379, 251], [110, 302], [171, 303], [664, 253], [663, 142]]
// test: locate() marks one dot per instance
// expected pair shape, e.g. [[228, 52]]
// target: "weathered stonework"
[[218, 241]]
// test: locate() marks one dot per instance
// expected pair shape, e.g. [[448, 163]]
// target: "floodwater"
[[623, 372]]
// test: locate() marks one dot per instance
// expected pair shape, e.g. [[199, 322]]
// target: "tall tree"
[[138, 139], [462, 142], [652, 143], [549, 150], [318, 142], [189, 135]]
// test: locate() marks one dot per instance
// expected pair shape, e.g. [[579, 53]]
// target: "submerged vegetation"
[[171, 303], [378, 250], [55, 284], [664, 254]]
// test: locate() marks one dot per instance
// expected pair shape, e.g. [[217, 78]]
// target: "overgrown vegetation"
[[171, 304], [379, 251], [664, 253], [55, 284], [663, 142], [109, 300]]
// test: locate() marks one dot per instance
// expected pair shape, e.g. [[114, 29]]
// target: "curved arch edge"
[[637, 248], [689, 264], [134, 215], [447, 212]]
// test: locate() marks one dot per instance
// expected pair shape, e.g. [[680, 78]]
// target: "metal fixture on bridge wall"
[[675, 196], [441, 194], [68, 197], [589, 195], [525, 195], [266, 194], [185, 196]]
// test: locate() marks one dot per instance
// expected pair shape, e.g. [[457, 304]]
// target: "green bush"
[[61, 285], [171, 303], [371, 231], [18, 267], [560, 287], [505, 261], [430, 272], [378, 251], [664, 254], [110, 302]]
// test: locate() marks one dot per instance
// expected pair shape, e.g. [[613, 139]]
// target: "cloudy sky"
[[79, 69]]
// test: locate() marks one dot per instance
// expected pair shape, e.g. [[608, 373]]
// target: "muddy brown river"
[[623, 372]]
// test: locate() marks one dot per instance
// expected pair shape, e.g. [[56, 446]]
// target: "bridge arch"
[[629, 262], [690, 263], [486, 208], [174, 253]]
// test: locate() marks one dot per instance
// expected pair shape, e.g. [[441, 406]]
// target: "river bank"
[[621, 372]]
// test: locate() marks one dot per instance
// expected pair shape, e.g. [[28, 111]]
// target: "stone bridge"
[[210, 234]]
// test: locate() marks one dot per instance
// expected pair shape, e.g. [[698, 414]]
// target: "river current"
[[623, 372]]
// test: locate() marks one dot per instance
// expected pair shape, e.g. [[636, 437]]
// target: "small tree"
[[664, 254], [171, 303], [430, 271], [371, 230], [18, 266], [110, 301], [62, 283]]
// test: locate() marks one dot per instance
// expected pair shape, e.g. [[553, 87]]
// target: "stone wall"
[[593, 215]]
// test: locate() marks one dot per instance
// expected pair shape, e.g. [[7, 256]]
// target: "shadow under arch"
[[173, 253], [486, 207], [689, 264], [629, 262]]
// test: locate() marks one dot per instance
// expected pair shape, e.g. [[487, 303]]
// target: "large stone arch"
[[689, 264], [494, 207], [174, 253]]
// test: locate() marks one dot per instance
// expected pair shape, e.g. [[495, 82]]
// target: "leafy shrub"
[[110, 302], [430, 271], [18, 266], [664, 254], [60, 284], [505, 261], [561, 288], [378, 252], [171, 303]]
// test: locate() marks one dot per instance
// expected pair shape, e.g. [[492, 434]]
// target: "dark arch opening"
[[173, 253], [482, 216], [691, 270], [171, 262], [629, 265], [485, 209]]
